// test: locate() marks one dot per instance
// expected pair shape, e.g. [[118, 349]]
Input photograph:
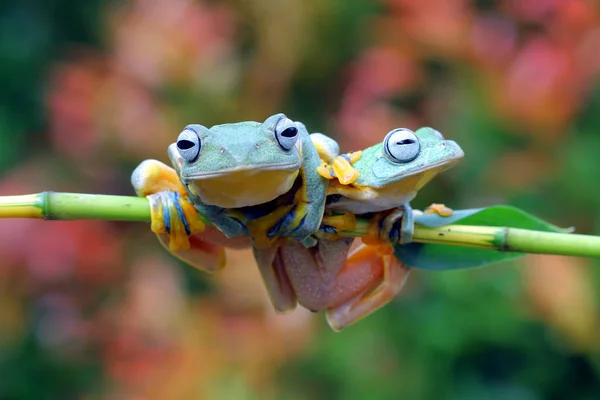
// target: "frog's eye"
[[401, 145], [286, 133], [188, 145]]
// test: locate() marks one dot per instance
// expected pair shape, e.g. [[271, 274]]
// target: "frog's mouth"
[[242, 169], [437, 167], [242, 187]]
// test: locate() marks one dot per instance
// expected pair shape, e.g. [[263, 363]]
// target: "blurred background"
[[97, 310]]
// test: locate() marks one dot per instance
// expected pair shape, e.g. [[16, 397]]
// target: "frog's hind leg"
[[274, 275], [394, 276]]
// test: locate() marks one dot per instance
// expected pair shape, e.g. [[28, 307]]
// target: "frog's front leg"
[[341, 168], [397, 226], [393, 278], [173, 217], [402, 234], [304, 219], [171, 212]]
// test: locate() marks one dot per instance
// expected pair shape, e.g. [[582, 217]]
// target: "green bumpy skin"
[[251, 178], [390, 174]]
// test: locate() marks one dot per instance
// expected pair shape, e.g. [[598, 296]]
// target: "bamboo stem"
[[72, 206]]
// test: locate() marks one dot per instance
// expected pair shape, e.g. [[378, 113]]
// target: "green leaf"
[[439, 257]]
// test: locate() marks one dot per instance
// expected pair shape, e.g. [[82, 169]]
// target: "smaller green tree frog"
[[351, 284], [388, 175]]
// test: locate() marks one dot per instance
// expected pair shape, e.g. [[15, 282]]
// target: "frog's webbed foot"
[[439, 209], [327, 148], [202, 255], [394, 276], [153, 176], [274, 276], [333, 165], [332, 225], [341, 168], [175, 216], [171, 212], [178, 228]]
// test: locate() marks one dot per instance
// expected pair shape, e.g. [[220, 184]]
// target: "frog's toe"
[[325, 170], [343, 169], [174, 216], [153, 176], [332, 225], [176, 206], [439, 209], [283, 225], [326, 147]]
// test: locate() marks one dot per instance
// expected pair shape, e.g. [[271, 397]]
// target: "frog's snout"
[[452, 148]]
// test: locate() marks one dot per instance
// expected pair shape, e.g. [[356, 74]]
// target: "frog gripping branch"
[[299, 204]]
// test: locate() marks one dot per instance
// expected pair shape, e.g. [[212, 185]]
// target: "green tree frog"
[[352, 283], [252, 177], [246, 178], [388, 175]]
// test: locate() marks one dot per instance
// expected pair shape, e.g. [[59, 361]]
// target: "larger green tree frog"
[[246, 178], [252, 177]]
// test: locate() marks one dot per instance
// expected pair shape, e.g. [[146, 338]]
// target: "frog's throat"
[[243, 188], [430, 170]]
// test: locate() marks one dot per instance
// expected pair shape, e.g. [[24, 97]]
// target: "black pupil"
[[185, 144], [405, 141], [289, 132]]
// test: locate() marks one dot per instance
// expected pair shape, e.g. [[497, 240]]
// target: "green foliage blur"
[[97, 310]]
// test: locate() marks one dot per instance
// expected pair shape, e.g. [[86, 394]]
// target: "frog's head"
[[239, 164], [405, 161]]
